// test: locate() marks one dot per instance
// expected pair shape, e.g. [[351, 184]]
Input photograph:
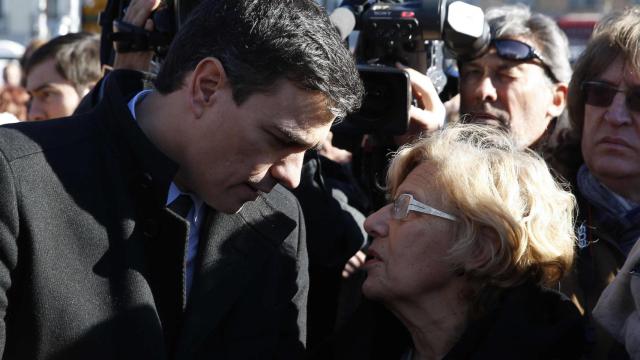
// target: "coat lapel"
[[233, 249]]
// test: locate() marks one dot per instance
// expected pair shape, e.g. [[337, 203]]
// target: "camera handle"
[[131, 38]]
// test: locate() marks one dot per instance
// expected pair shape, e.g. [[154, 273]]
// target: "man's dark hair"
[[259, 42], [77, 57]]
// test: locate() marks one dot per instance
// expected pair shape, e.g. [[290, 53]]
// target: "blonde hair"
[[492, 184]]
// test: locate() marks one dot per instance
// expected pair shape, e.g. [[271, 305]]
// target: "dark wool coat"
[[92, 262]]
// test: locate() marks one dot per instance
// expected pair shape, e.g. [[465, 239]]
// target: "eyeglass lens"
[[514, 50], [401, 206], [519, 51], [601, 95]]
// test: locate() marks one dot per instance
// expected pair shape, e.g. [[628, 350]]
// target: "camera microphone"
[[344, 20]]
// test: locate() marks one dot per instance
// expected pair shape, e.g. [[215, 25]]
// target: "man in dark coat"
[[154, 226]]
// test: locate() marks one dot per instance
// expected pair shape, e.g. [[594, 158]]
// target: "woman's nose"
[[377, 224]]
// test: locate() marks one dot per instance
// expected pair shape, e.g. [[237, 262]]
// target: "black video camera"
[[413, 33], [167, 20]]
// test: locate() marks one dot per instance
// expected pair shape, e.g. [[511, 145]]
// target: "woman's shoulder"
[[528, 322], [540, 306]]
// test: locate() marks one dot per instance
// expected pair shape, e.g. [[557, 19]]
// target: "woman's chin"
[[371, 290]]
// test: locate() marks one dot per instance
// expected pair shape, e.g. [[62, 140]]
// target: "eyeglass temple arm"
[[429, 210]]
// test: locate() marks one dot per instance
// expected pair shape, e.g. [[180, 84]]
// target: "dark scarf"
[[614, 215]]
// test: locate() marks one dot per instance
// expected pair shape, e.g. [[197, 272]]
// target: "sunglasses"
[[519, 51], [600, 94], [405, 203]]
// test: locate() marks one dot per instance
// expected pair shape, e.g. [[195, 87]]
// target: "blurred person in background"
[[13, 104], [601, 158], [12, 74], [60, 73], [465, 255]]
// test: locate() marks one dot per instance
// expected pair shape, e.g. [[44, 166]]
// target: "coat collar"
[[149, 167]]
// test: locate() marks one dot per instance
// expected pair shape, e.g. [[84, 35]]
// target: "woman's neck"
[[435, 323]]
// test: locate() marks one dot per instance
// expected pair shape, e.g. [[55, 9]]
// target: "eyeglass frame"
[[601, 84], [417, 206]]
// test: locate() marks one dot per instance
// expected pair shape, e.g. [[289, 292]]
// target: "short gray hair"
[[518, 21]]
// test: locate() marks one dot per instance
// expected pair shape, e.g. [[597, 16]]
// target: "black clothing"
[[92, 263], [328, 197], [524, 322], [527, 322]]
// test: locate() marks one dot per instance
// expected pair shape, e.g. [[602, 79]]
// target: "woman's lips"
[[372, 257]]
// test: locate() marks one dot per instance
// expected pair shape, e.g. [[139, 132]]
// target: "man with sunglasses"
[[520, 83], [601, 158]]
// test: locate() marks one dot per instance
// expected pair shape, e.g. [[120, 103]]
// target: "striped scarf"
[[615, 215]]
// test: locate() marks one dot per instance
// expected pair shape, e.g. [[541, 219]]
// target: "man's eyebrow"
[[41, 87], [509, 64], [294, 138]]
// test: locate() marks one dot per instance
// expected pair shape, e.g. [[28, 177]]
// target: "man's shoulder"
[[29, 138]]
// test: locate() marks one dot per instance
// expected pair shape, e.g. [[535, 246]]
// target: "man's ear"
[[207, 78], [559, 100]]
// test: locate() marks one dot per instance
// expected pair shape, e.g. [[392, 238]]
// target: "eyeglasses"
[[405, 203], [601, 94], [518, 51]]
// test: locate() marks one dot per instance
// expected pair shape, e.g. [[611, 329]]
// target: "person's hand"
[[453, 108], [137, 14], [430, 113], [354, 264]]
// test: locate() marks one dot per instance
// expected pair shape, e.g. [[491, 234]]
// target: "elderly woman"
[[604, 109], [474, 232]]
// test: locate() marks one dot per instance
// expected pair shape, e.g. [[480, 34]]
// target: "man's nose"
[[617, 113], [377, 224], [486, 90], [287, 171]]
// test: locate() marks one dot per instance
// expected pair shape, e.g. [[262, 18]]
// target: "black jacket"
[[525, 322], [92, 263]]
